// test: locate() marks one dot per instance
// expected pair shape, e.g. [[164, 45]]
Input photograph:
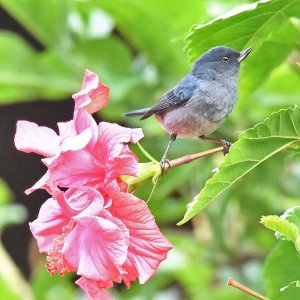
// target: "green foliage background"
[[141, 48]]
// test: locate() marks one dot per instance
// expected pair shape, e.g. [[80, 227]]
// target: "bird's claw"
[[163, 164], [226, 146]]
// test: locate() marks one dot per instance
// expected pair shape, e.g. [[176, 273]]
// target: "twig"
[[234, 283], [188, 158]]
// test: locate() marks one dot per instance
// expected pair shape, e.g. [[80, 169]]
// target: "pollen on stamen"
[[55, 262]]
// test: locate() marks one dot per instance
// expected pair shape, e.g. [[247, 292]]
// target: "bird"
[[201, 101]]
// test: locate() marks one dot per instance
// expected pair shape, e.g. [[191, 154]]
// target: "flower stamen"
[[55, 262]]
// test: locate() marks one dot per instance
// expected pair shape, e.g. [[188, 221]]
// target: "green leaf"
[[273, 52], [284, 229], [8, 292], [282, 87], [46, 20], [292, 215], [246, 25], [282, 267], [295, 283], [264, 25], [49, 287], [255, 145]]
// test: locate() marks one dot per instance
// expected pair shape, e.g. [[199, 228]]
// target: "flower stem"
[[190, 157], [234, 283], [143, 150]]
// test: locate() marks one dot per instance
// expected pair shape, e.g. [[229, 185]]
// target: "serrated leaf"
[[284, 227], [264, 25], [292, 215], [254, 146], [282, 267], [246, 25]]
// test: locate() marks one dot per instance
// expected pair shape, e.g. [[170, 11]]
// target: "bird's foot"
[[165, 166], [226, 146]]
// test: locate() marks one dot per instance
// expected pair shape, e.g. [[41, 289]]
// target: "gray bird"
[[202, 100]]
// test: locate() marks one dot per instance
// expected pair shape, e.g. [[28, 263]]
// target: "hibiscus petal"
[[37, 139], [66, 129], [122, 165], [75, 168], [93, 95], [112, 152], [112, 137], [82, 121], [147, 246], [40, 184], [85, 199], [48, 225], [76, 142], [94, 289], [97, 247]]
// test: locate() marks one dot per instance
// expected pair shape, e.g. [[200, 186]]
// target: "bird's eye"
[[225, 58]]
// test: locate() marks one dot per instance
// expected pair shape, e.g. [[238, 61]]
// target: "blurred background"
[[139, 49]]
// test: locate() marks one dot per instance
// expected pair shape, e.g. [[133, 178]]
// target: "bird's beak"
[[244, 54]]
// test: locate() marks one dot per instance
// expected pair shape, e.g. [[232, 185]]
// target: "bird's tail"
[[138, 112]]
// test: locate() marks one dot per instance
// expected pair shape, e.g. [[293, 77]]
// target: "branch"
[[232, 282], [190, 157]]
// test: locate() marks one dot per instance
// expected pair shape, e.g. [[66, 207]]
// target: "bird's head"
[[221, 59]]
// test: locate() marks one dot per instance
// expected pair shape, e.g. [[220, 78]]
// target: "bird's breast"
[[201, 115]]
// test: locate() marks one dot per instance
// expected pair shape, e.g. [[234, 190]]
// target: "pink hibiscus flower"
[[95, 228]]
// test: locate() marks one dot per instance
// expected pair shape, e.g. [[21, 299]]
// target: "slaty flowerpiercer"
[[199, 103]]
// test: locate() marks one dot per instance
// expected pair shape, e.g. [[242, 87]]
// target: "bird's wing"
[[177, 96]]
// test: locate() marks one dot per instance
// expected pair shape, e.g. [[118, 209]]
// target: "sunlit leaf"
[[255, 145], [248, 25], [283, 228], [281, 268], [263, 25]]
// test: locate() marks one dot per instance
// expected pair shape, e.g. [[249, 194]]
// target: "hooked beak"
[[244, 54]]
